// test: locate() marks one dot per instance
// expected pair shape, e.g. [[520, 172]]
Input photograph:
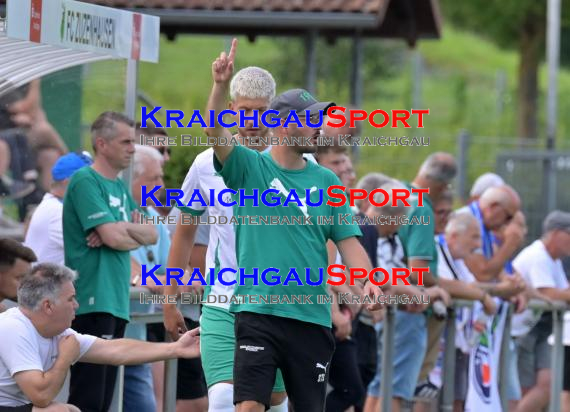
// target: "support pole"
[[130, 109], [448, 395], [387, 359], [557, 359], [311, 59]]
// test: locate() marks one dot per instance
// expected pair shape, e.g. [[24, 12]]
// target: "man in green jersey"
[[252, 88], [101, 225], [294, 337]]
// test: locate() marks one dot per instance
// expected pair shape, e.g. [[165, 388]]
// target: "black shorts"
[[302, 351], [190, 382], [23, 408]]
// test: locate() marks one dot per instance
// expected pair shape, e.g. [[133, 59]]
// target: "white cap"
[[484, 182]]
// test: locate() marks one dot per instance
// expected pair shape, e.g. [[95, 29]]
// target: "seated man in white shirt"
[[38, 346], [541, 267]]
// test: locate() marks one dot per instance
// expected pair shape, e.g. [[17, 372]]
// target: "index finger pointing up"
[[233, 49]]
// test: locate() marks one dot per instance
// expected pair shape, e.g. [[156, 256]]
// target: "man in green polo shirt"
[[101, 225], [418, 241], [296, 338]]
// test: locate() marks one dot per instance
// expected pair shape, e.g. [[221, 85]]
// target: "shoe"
[[426, 390]]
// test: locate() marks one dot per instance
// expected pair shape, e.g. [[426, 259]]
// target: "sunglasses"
[[164, 149]]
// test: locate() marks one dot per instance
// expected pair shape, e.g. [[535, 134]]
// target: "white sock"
[[221, 397], [283, 407]]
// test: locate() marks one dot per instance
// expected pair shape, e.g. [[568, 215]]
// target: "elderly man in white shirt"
[[45, 232]]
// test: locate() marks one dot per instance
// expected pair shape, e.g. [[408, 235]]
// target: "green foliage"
[[499, 20], [458, 86]]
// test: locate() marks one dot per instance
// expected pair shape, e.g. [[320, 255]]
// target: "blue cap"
[[68, 164]]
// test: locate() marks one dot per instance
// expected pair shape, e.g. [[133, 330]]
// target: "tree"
[[519, 24]]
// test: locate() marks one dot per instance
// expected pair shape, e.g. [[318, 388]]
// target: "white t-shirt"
[[539, 270], [221, 246], [22, 348], [45, 233]]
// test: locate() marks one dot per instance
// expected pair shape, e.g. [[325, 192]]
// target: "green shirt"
[[418, 239], [103, 273], [283, 246]]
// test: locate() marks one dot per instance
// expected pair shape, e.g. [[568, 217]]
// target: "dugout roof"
[[410, 20]]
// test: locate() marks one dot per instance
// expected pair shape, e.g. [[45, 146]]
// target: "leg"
[[565, 401], [279, 400], [255, 360], [158, 383], [100, 379], [191, 389], [537, 397], [344, 377], [138, 394], [306, 363], [367, 358]]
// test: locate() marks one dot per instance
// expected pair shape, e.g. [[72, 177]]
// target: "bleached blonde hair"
[[252, 83]]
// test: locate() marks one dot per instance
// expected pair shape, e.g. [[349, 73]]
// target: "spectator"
[[35, 360], [341, 135], [435, 174], [497, 210], [484, 182], [30, 145], [460, 239], [385, 250], [346, 373], [541, 267], [147, 171], [100, 226], [15, 262], [45, 231], [152, 132]]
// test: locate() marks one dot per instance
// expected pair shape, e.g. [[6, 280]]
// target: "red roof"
[[404, 19]]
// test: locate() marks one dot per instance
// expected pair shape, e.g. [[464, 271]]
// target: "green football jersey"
[[284, 247], [103, 273]]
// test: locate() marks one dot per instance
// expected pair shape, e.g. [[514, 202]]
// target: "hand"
[[223, 66], [68, 348], [342, 324], [136, 217], [94, 240], [374, 292], [520, 302], [437, 293], [514, 233], [195, 287], [419, 295], [489, 305], [511, 285], [173, 321], [518, 282], [188, 346]]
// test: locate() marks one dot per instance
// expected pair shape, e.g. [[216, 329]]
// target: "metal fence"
[[447, 391]]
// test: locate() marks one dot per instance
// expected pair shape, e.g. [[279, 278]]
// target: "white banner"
[[82, 26], [483, 390]]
